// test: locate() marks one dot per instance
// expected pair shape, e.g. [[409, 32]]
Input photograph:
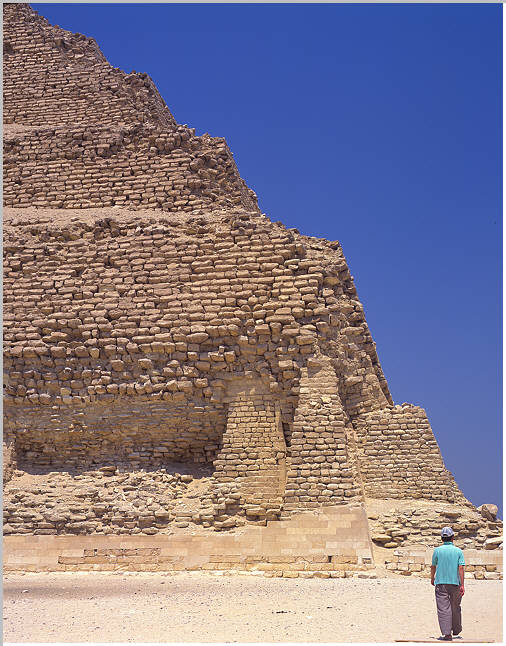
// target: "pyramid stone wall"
[[53, 77], [80, 133], [403, 432], [332, 543], [128, 166], [153, 315]]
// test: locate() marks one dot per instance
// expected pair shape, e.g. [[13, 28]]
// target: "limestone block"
[[488, 511]]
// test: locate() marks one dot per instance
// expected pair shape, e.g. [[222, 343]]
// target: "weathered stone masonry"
[[52, 76], [153, 316]]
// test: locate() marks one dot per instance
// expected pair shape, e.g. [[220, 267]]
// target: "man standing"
[[447, 574]]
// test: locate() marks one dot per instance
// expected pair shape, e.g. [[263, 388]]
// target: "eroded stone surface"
[[153, 315], [416, 523]]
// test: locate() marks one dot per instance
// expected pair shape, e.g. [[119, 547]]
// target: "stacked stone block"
[[328, 544], [399, 456], [321, 471], [153, 315], [52, 76], [118, 313], [133, 166], [140, 433], [479, 565], [253, 454]]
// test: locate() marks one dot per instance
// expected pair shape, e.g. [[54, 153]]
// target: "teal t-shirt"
[[447, 558]]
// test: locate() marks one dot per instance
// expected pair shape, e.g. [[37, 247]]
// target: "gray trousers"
[[448, 608]]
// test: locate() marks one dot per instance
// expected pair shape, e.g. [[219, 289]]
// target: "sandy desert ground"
[[199, 607]]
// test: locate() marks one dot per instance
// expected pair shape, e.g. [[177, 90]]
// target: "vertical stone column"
[[321, 469], [8, 458], [253, 454]]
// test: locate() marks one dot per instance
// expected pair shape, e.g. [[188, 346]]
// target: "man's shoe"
[[455, 633], [446, 638]]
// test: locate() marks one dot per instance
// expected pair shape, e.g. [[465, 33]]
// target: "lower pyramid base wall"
[[331, 543], [480, 564]]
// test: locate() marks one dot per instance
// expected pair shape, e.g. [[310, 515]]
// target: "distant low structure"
[[174, 360]]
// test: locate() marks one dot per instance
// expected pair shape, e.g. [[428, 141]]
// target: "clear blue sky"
[[378, 126]]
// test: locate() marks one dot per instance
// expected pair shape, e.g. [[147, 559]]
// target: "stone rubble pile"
[[106, 501], [407, 527]]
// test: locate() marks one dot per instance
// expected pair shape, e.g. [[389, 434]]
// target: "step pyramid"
[[154, 316]]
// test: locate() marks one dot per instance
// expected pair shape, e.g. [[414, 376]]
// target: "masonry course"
[[196, 364]]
